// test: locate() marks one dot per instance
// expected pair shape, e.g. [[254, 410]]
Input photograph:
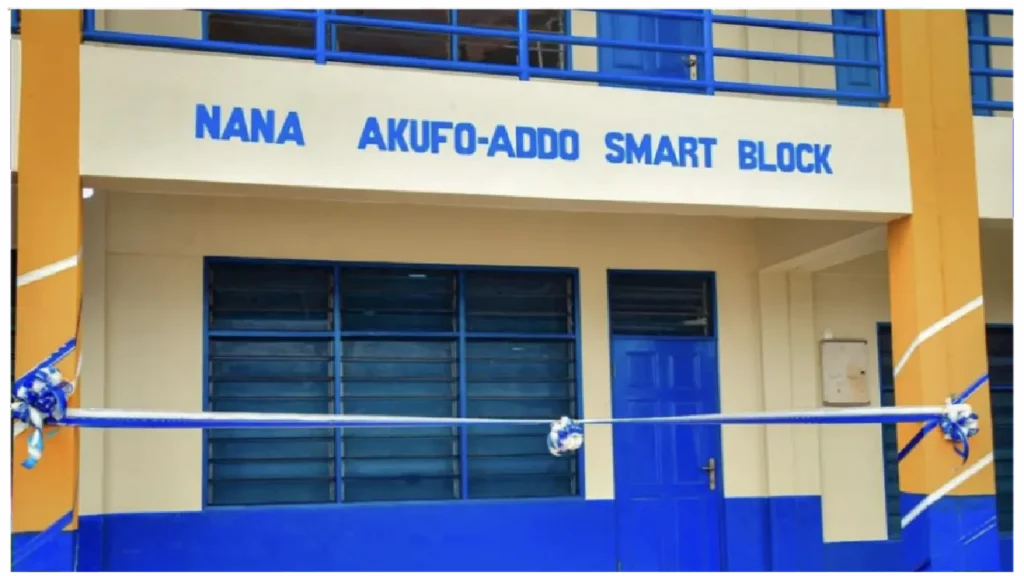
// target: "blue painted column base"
[[43, 552], [956, 533]]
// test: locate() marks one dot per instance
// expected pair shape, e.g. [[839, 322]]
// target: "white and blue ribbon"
[[932, 424], [959, 424], [38, 402], [41, 398], [114, 418], [565, 436]]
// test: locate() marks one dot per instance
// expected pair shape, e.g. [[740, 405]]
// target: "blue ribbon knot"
[[39, 399], [565, 436], [959, 424], [959, 440]]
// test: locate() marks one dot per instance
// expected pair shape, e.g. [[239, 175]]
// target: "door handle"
[[710, 469]]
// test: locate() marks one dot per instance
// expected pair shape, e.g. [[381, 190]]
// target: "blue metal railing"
[[981, 42], [325, 25]]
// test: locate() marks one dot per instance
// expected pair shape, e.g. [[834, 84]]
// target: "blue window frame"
[[319, 338], [999, 340]]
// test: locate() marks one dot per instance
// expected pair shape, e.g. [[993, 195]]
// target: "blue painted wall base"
[[785, 533], [521, 536], [760, 534], [955, 534]]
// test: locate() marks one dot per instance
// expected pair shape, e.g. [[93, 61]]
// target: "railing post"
[[321, 36], [883, 64], [332, 31], [524, 44], [708, 70], [566, 49], [88, 21], [453, 47]]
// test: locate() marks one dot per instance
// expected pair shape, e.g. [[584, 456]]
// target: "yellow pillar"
[[935, 271], [49, 233]]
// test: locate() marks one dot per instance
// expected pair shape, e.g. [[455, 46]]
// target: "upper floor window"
[[370, 34]]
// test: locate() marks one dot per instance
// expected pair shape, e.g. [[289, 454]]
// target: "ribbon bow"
[[959, 424], [39, 398], [565, 436]]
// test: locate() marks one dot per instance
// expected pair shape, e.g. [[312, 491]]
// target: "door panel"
[[855, 47], [668, 511], [652, 29]]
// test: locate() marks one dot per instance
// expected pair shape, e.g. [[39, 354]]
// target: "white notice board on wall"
[[844, 372]]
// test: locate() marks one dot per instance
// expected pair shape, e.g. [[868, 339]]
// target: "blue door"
[[981, 86], [856, 47], [668, 482], [650, 63]]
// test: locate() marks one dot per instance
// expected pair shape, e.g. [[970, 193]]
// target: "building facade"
[[584, 214]]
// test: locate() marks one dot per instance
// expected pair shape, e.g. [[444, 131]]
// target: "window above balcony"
[[368, 32]]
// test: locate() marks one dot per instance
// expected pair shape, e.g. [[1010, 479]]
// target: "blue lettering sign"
[[467, 139], [252, 125], [656, 150], [787, 157], [428, 136]]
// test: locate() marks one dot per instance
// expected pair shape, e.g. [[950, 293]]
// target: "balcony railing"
[[667, 50], [991, 87], [991, 83]]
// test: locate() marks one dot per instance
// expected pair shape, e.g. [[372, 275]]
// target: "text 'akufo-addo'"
[[437, 137]]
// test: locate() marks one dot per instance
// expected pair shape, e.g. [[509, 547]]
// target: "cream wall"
[[151, 353], [178, 23], [781, 41], [143, 320], [156, 112], [993, 162]]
